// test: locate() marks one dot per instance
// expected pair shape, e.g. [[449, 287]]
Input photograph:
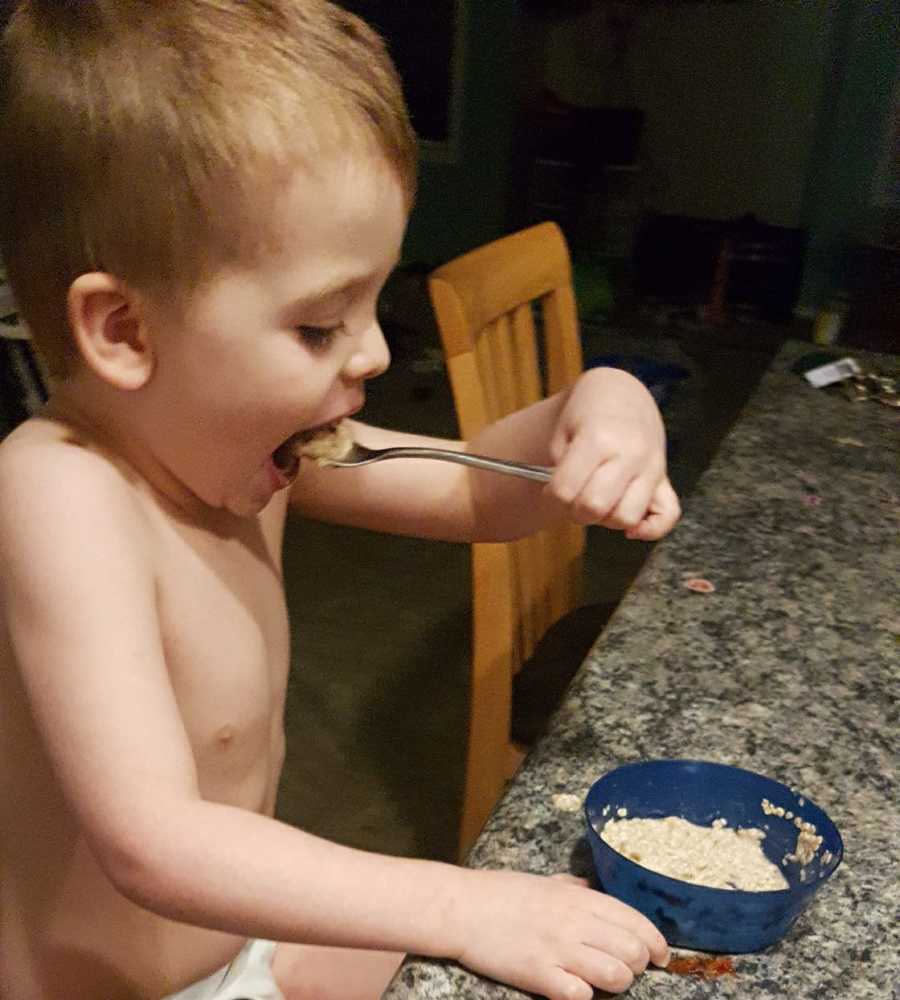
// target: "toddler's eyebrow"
[[333, 289]]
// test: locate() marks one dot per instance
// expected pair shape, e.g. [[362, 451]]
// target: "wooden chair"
[[499, 360]]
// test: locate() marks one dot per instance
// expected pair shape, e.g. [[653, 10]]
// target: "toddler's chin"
[[243, 507], [246, 504]]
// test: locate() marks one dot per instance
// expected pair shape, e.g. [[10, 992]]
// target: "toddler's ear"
[[111, 335]]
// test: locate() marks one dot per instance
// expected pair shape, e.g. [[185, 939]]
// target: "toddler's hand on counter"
[[609, 449], [552, 936]]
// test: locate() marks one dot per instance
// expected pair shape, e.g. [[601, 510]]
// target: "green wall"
[[464, 203], [839, 200]]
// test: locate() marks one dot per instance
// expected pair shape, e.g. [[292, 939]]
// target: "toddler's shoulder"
[[50, 477]]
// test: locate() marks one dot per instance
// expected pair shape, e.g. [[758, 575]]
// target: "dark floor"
[[377, 702]]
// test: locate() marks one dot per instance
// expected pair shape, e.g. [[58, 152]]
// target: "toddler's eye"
[[318, 337]]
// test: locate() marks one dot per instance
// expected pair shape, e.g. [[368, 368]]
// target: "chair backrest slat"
[[485, 349], [500, 336], [525, 352], [564, 358]]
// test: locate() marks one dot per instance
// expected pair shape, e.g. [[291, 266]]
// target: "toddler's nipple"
[[225, 736]]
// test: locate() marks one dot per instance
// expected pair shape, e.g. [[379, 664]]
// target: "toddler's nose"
[[370, 355]]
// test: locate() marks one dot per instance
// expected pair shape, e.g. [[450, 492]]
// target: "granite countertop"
[[791, 667]]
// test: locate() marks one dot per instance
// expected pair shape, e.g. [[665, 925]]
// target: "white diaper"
[[248, 977]]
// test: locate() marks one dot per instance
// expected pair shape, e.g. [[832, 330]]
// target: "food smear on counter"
[[703, 966], [700, 586]]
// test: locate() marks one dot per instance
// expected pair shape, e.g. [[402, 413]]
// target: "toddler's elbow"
[[131, 869], [138, 866]]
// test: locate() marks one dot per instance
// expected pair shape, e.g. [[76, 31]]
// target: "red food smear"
[[705, 966]]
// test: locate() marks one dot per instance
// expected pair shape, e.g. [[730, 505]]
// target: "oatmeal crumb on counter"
[[566, 802]]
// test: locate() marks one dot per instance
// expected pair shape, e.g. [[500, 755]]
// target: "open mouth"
[[328, 442]]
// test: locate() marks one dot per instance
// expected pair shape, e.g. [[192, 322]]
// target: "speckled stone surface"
[[791, 667]]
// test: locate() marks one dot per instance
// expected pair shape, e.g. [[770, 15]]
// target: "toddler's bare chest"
[[226, 641]]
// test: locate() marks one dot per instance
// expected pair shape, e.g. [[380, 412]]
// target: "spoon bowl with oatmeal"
[[721, 859]]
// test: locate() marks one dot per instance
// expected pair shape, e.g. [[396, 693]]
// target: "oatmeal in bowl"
[[719, 858]]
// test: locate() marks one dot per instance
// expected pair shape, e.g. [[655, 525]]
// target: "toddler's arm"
[[604, 436], [79, 603]]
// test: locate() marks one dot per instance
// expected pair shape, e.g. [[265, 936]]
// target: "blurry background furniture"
[[500, 359], [873, 284]]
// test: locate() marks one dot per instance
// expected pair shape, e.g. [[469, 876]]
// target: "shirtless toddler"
[[201, 202]]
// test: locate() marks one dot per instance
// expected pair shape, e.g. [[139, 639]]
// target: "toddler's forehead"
[[345, 214], [339, 180], [311, 206], [281, 217]]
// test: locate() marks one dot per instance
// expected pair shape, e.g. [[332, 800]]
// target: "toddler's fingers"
[[633, 507], [562, 985], [663, 515], [601, 494], [601, 969], [656, 945], [614, 911], [620, 944], [576, 461], [630, 931]]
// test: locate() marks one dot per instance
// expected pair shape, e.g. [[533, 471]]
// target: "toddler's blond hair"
[[147, 138]]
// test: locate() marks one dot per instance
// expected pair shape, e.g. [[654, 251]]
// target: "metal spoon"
[[360, 455]]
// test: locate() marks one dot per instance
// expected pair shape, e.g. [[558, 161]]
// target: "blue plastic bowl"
[[695, 916]]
